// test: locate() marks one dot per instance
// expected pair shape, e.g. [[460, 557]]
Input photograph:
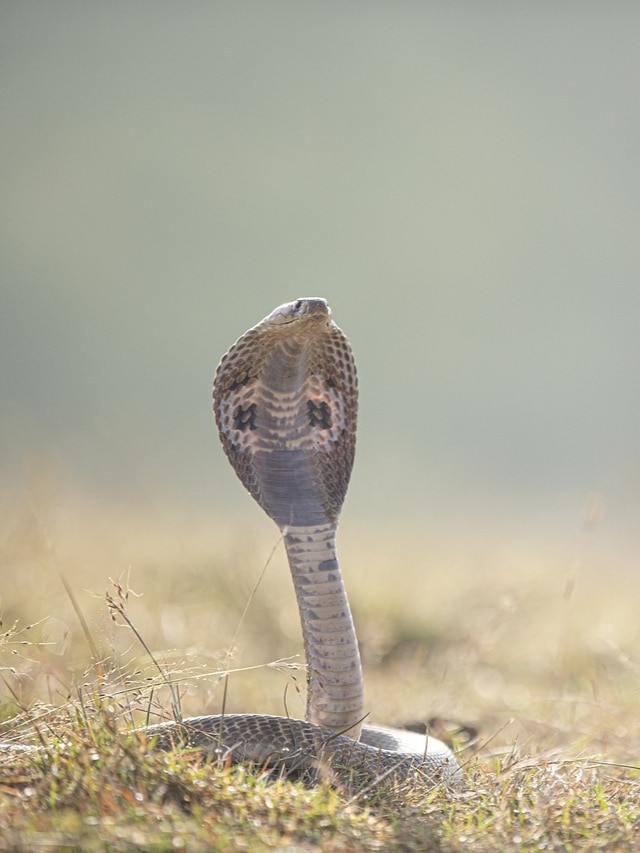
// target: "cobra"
[[285, 401]]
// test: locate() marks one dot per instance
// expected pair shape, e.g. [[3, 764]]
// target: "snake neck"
[[335, 695]]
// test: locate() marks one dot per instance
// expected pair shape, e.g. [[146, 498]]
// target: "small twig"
[[253, 592], [83, 624], [117, 607]]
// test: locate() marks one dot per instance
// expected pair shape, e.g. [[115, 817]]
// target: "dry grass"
[[531, 661]]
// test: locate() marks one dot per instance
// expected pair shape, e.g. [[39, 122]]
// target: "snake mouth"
[[307, 308]]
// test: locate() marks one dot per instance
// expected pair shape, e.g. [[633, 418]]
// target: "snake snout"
[[313, 306]]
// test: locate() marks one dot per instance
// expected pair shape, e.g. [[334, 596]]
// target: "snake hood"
[[286, 400]]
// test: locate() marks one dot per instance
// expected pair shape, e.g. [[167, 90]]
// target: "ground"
[[528, 660]]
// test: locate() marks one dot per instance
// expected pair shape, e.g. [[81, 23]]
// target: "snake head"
[[308, 308]]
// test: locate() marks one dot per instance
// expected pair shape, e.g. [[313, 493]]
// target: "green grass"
[[530, 661]]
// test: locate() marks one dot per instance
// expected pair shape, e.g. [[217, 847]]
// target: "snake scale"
[[285, 401]]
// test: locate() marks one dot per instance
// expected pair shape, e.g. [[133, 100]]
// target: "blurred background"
[[460, 181]]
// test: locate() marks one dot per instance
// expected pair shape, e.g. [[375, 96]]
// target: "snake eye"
[[298, 305]]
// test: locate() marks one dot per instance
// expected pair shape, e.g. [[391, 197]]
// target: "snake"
[[285, 399]]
